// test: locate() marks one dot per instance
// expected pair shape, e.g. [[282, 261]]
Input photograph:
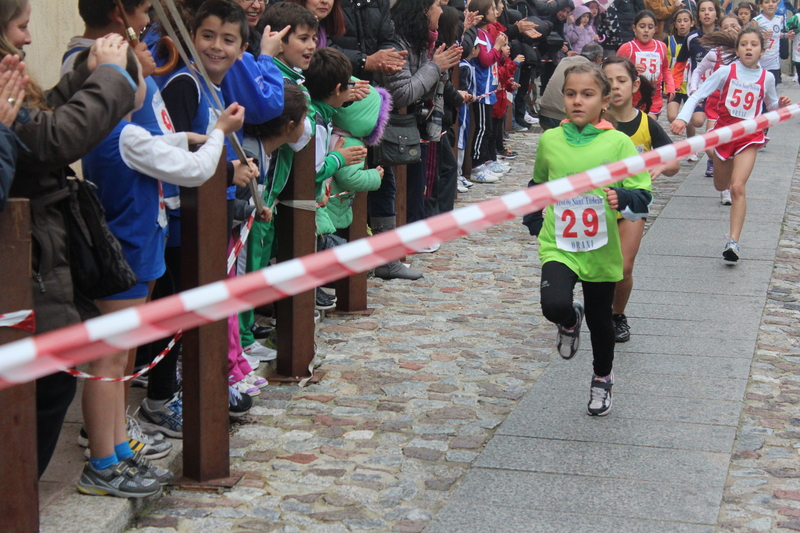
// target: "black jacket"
[[369, 28]]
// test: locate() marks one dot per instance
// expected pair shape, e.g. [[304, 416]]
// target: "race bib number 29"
[[581, 223]]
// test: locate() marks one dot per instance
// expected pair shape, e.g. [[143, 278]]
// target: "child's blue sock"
[[123, 450], [102, 463]]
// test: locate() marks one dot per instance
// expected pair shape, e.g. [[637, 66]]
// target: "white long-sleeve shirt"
[[167, 157], [716, 82], [704, 69]]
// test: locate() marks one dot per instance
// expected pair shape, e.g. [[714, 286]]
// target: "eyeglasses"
[[249, 3]]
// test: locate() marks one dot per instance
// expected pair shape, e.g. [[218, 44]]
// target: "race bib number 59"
[[581, 223]]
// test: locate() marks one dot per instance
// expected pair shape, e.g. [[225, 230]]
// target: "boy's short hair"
[[97, 13], [295, 109], [329, 67], [283, 14], [226, 11], [131, 67]]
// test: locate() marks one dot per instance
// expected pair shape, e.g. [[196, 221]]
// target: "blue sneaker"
[[482, 174]]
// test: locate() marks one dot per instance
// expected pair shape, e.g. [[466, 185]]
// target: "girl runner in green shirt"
[[578, 237]]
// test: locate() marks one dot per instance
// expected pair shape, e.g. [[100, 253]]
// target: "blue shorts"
[[701, 107], [140, 290]]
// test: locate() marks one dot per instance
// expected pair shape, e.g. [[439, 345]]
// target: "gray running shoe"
[[121, 480], [600, 395], [149, 470], [167, 419], [568, 340], [731, 251]]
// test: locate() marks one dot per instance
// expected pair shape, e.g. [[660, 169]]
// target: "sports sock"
[[101, 463], [123, 450]]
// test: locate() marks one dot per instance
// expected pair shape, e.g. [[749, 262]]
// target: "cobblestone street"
[[412, 393]]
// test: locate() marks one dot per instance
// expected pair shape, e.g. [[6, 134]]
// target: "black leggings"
[[558, 282], [483, 138]]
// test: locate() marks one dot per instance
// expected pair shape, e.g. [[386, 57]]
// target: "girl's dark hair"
[[411, 22], [716, 5], [646, 89], [450, 25], [333, 23], [482, 7], [730, 43], [674, 31], [749, 6], [592, 69], [643, 15], [295, 109]]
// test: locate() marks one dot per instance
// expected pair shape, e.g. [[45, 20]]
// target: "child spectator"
[[773, 26], [467, 83], [295, 49], [360, 124], [126, 167], [486, 85], [505, 87], [219, 30], [102, 18], [581, 32]]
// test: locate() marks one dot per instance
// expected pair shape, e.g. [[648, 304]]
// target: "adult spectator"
[[663, 10], [254, 9], [330, 16], [551, 104], [416, 23], [618, 23], [12, 95]]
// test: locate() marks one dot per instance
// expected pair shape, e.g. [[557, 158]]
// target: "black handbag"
[[401, 141], [98, 264]]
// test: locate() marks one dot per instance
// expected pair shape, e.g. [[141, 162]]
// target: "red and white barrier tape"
[[145, 370], [31, 358], [237, 248], [24, 320]]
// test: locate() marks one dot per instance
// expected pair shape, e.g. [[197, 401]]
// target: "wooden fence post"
[[19, 494], [400, 206], [204, 242], [295, 231], [351, 292]]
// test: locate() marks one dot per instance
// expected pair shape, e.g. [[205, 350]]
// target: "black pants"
[[777, 74], [54, 393], [162, 381], [483, 137], [558, 282], [498, 129], [448, 174], [415, 188], [519, 98]]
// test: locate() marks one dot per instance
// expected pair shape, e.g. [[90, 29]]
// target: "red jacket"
[[505, 75]]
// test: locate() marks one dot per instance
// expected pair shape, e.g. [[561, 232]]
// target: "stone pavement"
[[448, 409]]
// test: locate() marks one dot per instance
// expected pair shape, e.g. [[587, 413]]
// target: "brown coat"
[[86, 107], [662, 12]]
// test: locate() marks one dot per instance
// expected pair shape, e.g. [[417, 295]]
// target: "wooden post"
[[400, 206], [204, 242], [351, 292], [295, 233], [19, 495]]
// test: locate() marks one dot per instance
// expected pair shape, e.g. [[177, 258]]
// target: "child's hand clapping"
[[352, 154]]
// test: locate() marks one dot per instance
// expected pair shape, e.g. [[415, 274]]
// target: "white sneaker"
[[255, 380], [692, 158], [483, 174], [429, 249], [244, 387], [498, 168], [260, 351], [725, 197], [465, 182], [460, 187], [252, 360], [530, 120]]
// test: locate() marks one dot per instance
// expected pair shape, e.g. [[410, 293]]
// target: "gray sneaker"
[[149, 470], [121, 480], [569, 340], [167, 419]]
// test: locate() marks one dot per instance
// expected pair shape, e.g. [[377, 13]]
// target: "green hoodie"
[[354, 123]]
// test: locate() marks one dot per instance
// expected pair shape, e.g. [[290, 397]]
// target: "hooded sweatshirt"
[[359, 124], [578, 36]]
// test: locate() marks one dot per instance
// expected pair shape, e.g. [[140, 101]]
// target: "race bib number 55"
[[581, 223]]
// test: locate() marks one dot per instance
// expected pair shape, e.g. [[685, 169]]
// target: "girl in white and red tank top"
[[744, 86]]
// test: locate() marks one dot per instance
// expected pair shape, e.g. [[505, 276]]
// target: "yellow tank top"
[[642, 138]]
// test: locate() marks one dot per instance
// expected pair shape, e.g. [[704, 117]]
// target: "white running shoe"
[[259, 350], [429, 249], [465, 182], [252, 360], [692, 158], [530, 120], [725, 197], [482, 174]]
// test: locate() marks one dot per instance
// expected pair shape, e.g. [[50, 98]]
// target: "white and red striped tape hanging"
[[31, 358]]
